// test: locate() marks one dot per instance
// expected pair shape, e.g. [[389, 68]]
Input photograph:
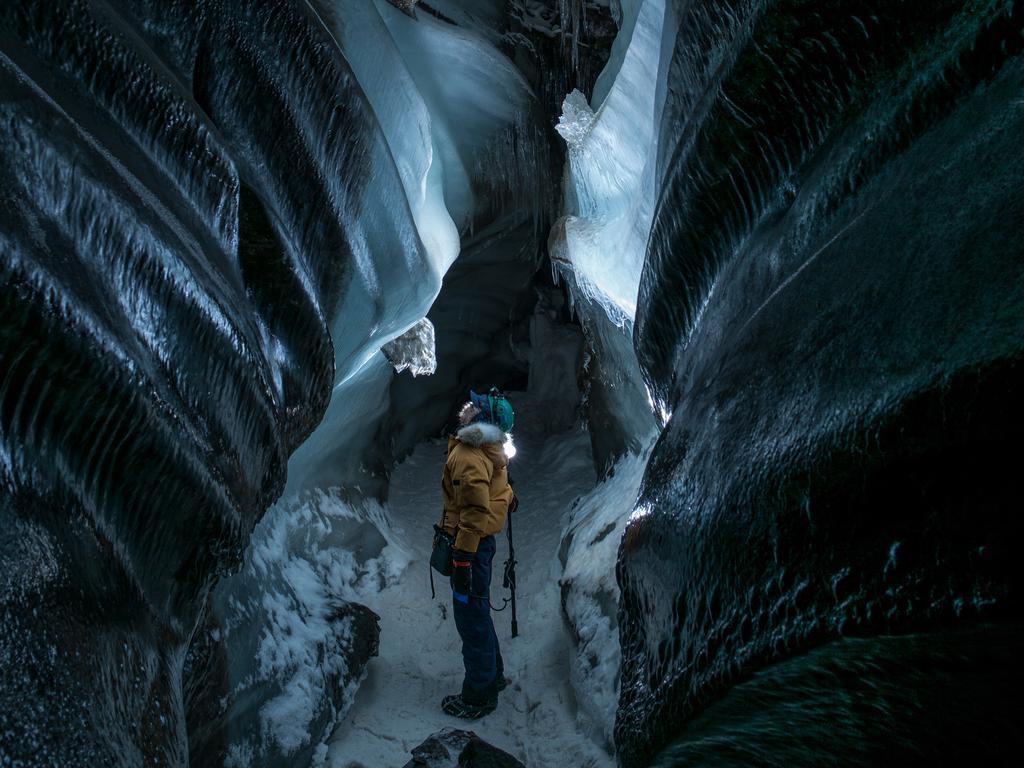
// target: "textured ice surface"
[[576, 120], [413, 350], [289, 610], [335, 453], [599, 244], [832, 308], [626, 13], [617, 410], [405, 120], [457, 118], [207, 225], [471, 91], [590, 594], [610, 185]]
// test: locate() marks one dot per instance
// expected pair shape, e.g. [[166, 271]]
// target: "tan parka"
[[475, 485]]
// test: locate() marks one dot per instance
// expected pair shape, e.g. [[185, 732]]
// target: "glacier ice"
[[814, 239], [197, 216], [413, 350], [576, 120], [294, 610], [211, 239], [471, 91], [590, 593], [456, 118], [610, 183], [405, 121], [796, 224]]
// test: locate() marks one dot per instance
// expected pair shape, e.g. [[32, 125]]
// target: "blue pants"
[[480, 651]]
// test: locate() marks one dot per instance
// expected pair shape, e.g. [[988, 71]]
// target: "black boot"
[[472, 704], [456, 706]]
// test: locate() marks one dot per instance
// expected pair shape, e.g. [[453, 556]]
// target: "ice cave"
[[750, 272]]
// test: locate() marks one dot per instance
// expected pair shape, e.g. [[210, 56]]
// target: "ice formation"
[[211, 237], [405, 120], [451, 107], [811, 236], [206, 233], [576, 120], [445, 94], [413, 350], [610, 185], [292, 609], [590, 594]]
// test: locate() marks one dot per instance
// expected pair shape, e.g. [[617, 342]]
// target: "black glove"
[[513, 505], [462, 574]]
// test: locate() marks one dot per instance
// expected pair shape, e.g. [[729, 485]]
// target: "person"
[[477, 498]]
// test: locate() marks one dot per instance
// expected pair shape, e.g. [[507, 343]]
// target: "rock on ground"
[[453, 748]]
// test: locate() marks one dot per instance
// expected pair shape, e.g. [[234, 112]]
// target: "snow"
[[305, 560], [595, 529], [610, 183], [414, 350], [539, 718]]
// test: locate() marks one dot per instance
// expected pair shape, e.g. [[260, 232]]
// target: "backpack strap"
[[440, 524]]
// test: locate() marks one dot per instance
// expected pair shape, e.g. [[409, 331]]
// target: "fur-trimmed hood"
[[480, 433]]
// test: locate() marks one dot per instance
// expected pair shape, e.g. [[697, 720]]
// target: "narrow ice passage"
[[420, 661]]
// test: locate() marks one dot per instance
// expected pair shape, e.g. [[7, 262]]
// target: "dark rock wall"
[[184, 185], [832, 308]]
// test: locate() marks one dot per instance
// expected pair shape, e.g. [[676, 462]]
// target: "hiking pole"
[[509, 581]]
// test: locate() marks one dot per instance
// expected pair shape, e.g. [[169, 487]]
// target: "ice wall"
[[831, 309], [424, 77], [461, 125], [597, 249], [598, 245], [610, 182], [206, 226], [810, 242], [590, 593]]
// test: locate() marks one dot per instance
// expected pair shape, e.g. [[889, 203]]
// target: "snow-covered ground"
[[538, 718]]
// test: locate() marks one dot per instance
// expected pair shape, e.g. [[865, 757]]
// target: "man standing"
[[477, 498]]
